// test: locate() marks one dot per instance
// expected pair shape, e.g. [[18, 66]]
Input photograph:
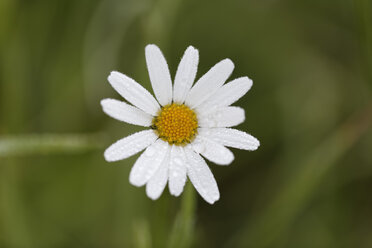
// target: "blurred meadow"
[[308, 185]]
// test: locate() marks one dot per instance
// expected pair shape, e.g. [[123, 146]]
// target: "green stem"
[[142, 234], [182, 232]]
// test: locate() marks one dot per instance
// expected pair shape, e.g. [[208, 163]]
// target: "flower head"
[[185, 122]]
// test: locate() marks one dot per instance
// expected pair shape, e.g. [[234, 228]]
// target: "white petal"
[[201, 176], [209, 83], [226, 95], [148, 163], [230, 137], [223, 117], [185, 75], [177, 170], [125, 112], [155, 186], [134, 92], [159, 74], [213, 151], [130, 145]]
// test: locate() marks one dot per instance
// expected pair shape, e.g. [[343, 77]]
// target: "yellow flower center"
[[176, 123]]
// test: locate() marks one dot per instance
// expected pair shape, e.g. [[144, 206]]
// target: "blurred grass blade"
[[142, 234], [48, 143], [363, 13], [100, 45], [182, 232], [13, 214], [272, 225], [160, 21]]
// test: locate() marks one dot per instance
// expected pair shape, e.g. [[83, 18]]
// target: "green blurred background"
[[308, 185]]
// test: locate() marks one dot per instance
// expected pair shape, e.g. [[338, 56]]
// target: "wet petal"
[[230, 137], [213, 151], [209, 83], [201, 176], [223, 117], [185, 75], [159, 74], [148, 163], [177, 170], [125, 112], [157, 183], [226, 95], [133, 92], [130, 145]]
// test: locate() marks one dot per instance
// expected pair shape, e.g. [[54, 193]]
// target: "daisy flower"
[[185, 123]]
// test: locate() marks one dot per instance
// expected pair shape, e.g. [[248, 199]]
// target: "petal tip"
[[107, 156], [105, 101], [150, 47], [228, 62], [113, 73], [247, 82], [175, 193], [134, 182], [231, 159], [153, 196], [109, 78], [250, 83], [212, 201], [192, 49], [256, 145]]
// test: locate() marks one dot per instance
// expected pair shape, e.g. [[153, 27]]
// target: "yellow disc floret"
[[176, 123]]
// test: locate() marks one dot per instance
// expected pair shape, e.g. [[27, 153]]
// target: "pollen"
[[176, 123]]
